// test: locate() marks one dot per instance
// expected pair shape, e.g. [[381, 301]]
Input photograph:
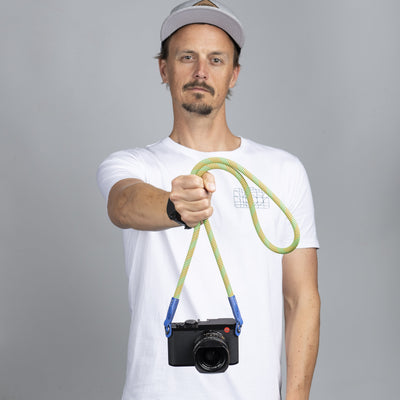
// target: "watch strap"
[[173, 215]]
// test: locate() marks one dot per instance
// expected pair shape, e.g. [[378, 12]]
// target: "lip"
[[200, 89]]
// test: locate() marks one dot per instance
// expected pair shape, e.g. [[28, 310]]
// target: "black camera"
[[211, 346]]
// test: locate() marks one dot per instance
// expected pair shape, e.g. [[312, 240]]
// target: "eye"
[[187, 57], [217, 60]]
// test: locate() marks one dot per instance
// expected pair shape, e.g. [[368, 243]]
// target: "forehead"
[[201, 37]]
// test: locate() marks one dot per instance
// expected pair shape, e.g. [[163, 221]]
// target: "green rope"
[[238, 171]]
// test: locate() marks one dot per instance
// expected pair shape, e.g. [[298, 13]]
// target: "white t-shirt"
[[154, 261]]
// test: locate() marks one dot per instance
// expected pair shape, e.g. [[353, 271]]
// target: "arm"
[[302, 310], [135, 204]]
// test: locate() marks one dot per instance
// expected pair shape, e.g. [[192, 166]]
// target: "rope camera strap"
[[239, 172]]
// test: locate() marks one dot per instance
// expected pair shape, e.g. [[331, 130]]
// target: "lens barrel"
[[211, 352]]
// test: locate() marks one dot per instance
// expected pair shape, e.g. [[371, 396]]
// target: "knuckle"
[[196, 181], [205, 203], [178, 181], [184, 215], [199, 179], [173, 196], [201, 194]]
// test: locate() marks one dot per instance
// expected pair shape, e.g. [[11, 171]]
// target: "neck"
[[204, 133]]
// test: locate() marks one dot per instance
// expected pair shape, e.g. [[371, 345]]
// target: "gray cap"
[[203, 12]]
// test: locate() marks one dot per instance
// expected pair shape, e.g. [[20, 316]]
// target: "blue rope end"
[[170, 316], [236, 314]]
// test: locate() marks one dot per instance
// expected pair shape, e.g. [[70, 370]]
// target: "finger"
[[193, 218], [191, 195], [209, 182], [193, 206], [188, 182]]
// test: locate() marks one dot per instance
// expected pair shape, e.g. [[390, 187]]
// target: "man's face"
[[199, 68]]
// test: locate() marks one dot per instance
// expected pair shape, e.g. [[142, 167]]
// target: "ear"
[[162, 65], [235, 76]]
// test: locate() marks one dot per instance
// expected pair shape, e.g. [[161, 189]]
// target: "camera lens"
[[211, 353]]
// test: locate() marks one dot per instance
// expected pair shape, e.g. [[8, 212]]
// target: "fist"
[[191, 195]]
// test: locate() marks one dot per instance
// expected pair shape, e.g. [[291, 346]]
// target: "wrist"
[[296, 397], [173, 215]]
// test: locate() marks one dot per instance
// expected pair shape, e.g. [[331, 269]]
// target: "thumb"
[[209, 182]]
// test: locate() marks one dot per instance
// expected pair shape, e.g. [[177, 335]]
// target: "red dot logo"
[[227, 330]]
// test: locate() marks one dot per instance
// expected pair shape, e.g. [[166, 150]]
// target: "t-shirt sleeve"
[[301, 205], [118, 166]]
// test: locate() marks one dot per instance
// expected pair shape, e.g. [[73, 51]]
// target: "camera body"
[[211, 346]]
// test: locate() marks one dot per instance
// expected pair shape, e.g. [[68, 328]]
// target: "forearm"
[[138, 205], [135, 204], [302, 340]]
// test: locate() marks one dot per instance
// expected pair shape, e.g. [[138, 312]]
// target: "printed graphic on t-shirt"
[[261, 200]]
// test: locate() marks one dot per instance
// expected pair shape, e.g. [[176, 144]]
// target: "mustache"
[[199, 84]]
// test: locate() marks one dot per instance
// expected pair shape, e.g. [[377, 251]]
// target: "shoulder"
[[135, 154], [271, 155]]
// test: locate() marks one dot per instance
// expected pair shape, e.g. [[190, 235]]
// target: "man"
[[201, 42]]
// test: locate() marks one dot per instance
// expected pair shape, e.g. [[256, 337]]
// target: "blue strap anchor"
[[174, 304]]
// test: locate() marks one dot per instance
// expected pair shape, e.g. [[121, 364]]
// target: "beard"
[[200, 109]]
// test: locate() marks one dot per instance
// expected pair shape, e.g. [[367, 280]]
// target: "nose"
[[200, 71]]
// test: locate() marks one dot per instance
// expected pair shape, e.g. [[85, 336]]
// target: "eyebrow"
[[185, 51], [213, 53]]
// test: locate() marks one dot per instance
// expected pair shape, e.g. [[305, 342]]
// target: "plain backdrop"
[[78, 80]]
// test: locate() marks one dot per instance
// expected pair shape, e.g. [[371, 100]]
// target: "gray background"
[[78, 81]]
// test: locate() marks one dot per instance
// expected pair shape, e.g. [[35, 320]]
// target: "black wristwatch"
[[174, 215]]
